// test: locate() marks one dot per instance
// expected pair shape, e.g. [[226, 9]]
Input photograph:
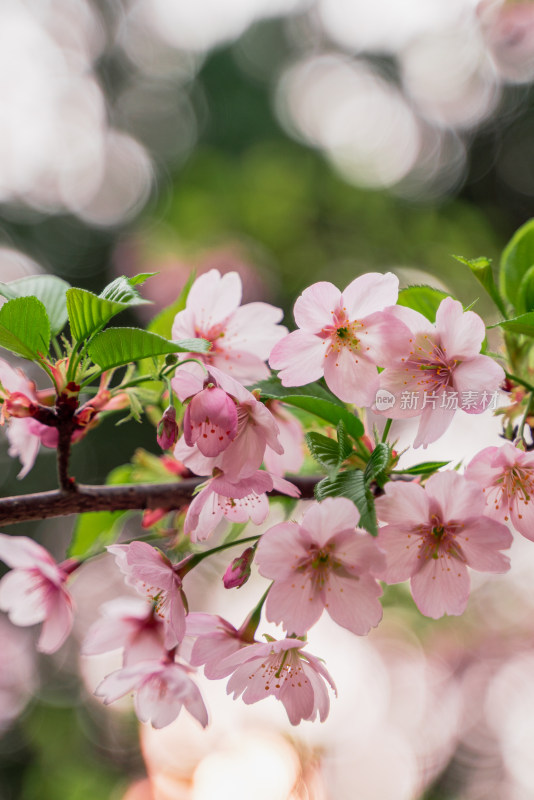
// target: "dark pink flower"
[[161, 689], [281, 669], [433, 534], [129, 624], [238, 572], [325, 562], [34, 591], [210, 421], [167, 429], [237, 501], [506, 475], [241, 336], [151, 573], [242, 447], [343, 336]]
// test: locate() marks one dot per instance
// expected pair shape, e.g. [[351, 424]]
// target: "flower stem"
[[386, 430], [190, 562]]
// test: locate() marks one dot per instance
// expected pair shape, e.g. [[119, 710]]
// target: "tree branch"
[[140, 496]]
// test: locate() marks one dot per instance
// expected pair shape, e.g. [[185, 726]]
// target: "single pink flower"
[[237, 501], [506, 475], [325, 562], [151, 573], [441, 370], [161, 689], [241, 336], [433, 534], [216, 639], [343, 336], [291, 436], [242, 440], [34, 591], [283, 670], [129, 624]]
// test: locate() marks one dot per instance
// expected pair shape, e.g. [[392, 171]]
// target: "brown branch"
[[140, 496]]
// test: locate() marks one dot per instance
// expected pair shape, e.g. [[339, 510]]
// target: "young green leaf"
[[324, 450], [51, 291], [523, 324], [525, 293], [351, 484], [424, 468], [115, 347], [378, 462], [88, 312], [122, 289], [343, 441], [481, 269], [517, 259], [25, 327], [315, 399], [424, 299]]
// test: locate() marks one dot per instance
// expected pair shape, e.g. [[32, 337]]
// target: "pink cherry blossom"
[[236, 501], [283, 670], [129, 624], [34, 591], [216, 639], [442, 368], [242, 447], [151, 573], [325, 562], [241, 336], [433, 534], [210, 421], [161, 689], [291, 436], [343, 336], [506, 475]]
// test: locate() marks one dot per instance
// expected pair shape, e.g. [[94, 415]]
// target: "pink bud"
[[210, 421], [167, 428], [238, 572]]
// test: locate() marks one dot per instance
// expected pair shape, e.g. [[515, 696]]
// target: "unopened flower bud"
[[238, 572], [171, 359], [167, 428]]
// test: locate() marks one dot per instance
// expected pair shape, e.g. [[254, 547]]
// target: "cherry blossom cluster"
[[370, 525]]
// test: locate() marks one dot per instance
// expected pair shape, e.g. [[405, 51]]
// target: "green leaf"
[[25, 327], [344, 443], [315, 399], [378, 462], [523, 324], [516, 260], [329, 453], [424, 468], [88, 312], [162, 322], [525, 293], [424, 299], [481, 269], [115, 347], [122, 289], [51, 291], [351, 484], [93, 531], [324, 450]]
